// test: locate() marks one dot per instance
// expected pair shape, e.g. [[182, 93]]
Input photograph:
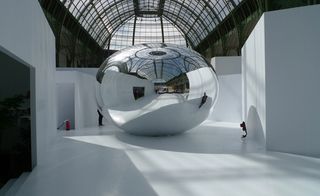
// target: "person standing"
[[204, 99]]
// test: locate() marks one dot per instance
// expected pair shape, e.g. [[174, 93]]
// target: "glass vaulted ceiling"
[[140, 30], [195, 19]]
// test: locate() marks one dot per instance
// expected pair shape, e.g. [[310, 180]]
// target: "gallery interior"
[[159, 97]]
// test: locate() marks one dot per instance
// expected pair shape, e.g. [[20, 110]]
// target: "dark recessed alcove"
[[15, 118]]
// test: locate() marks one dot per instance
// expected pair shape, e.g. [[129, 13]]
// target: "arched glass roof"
[[140, 30], [195, 19]]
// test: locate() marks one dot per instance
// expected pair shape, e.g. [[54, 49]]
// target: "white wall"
[[253, 73], [26, 34], [90, 71], [65, 104], [293, 78], [84, 82], [281, 58], [226, 65], [229, 105]]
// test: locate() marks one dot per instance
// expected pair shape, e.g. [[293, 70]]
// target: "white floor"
[[208, 160]]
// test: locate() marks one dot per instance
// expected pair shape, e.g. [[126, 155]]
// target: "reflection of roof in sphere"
[[158, 53], [156, 89], [154, 61]]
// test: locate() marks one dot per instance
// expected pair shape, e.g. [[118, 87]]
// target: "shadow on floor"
[[82, 169], [203, 139]]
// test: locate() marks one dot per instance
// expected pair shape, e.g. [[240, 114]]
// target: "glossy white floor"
[[208, 160]]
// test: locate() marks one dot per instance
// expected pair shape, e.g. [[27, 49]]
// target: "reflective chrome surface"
[[156, 89]]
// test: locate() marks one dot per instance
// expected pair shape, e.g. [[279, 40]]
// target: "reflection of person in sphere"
[[204, 99], [100, 117]]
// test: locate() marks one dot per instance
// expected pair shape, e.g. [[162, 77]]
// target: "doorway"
[[17, 117]]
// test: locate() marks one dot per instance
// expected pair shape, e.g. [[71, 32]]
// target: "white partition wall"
[[226, 65], [85, 103], [65, 104], [253, 82], [294, 111], [282, 63], [229, 104], [26, 34]]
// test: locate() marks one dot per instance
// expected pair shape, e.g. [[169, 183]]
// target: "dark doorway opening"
[[17, 140], [138, 92]]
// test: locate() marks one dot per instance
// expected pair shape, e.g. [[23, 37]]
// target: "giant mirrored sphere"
[[156, 89]]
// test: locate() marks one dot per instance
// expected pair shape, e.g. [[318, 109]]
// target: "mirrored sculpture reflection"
[[156, 89]]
